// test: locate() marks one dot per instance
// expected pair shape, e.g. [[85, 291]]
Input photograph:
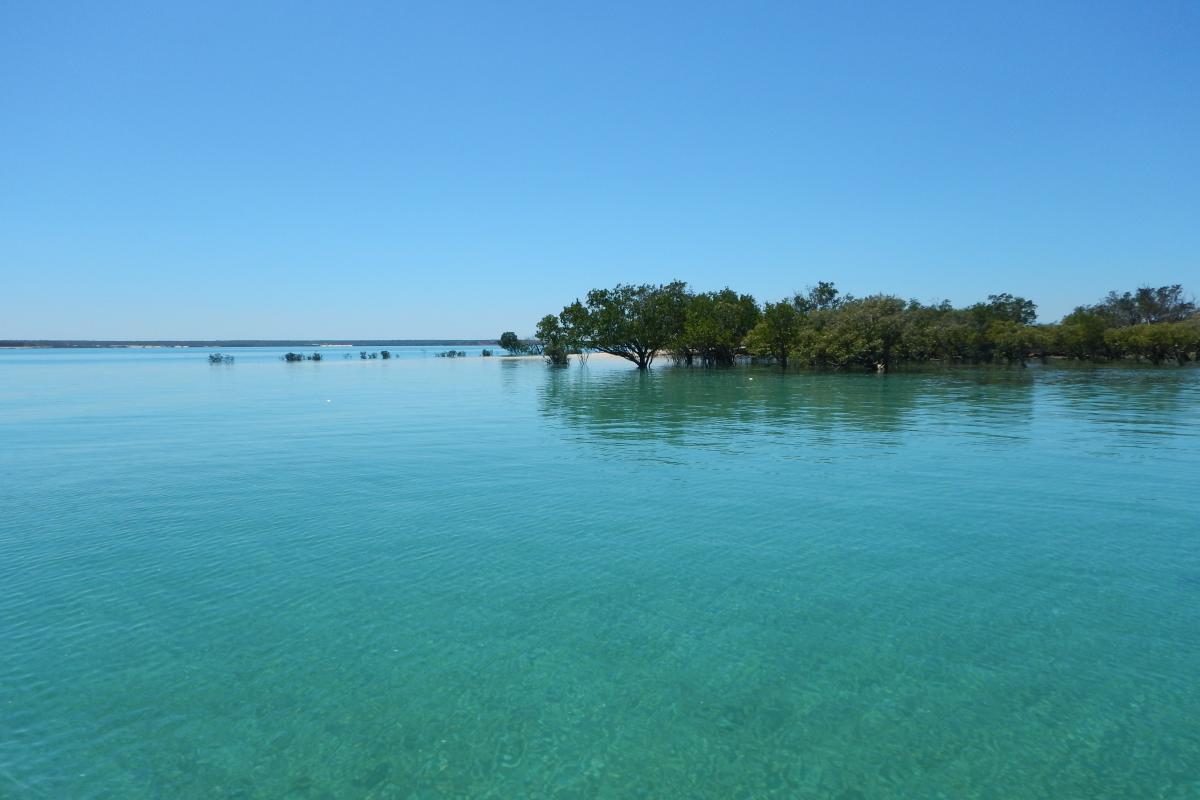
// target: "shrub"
[[512, 343]]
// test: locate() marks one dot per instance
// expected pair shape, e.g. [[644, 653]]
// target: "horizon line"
[[307, 342]]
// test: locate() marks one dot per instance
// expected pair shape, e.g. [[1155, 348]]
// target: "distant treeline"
[[822, 328]]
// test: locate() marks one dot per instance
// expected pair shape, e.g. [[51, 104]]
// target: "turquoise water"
[[486, 578]]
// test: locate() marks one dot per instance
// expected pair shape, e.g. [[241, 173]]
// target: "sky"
[[408, 170]]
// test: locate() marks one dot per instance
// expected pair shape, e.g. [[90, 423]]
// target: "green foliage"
[[219, 358], [579, 329], [513, 344], [1007, 308], [937, 333], [1156, 342], [1081, 335], [292, 357], [554, 339], [715, 325], [636, 322], [823, 329], [1146, 306], [1150, 324], [866, 333], [1011, 340], [822, 297], [486, 353], [776, 333]]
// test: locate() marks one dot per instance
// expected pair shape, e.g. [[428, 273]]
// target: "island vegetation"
[[512, 344], [820, 328], [516, 346], [366, 355]]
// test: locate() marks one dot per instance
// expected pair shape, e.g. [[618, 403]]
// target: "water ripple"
[[492, 579]]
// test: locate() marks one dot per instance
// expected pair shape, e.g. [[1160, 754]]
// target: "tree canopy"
[[512, 343], [636, 322], [822, 328], [555, 340]]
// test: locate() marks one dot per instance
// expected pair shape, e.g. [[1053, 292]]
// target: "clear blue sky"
[[211, 169]]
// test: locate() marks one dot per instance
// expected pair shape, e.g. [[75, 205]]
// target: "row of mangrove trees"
[[822, 328]]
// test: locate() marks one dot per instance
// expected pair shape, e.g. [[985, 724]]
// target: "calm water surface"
[[425, 578]]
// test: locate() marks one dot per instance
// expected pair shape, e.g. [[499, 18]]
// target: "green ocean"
[[488, 578]]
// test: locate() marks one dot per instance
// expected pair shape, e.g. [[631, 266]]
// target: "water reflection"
[[691, 406], [1163, 394], [681, 584], [1136, 409], [733, 408]]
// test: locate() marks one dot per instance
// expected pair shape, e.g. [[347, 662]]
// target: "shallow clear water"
[[487, 578]]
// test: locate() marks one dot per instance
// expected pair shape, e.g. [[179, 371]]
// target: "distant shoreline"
[[228, 343]]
